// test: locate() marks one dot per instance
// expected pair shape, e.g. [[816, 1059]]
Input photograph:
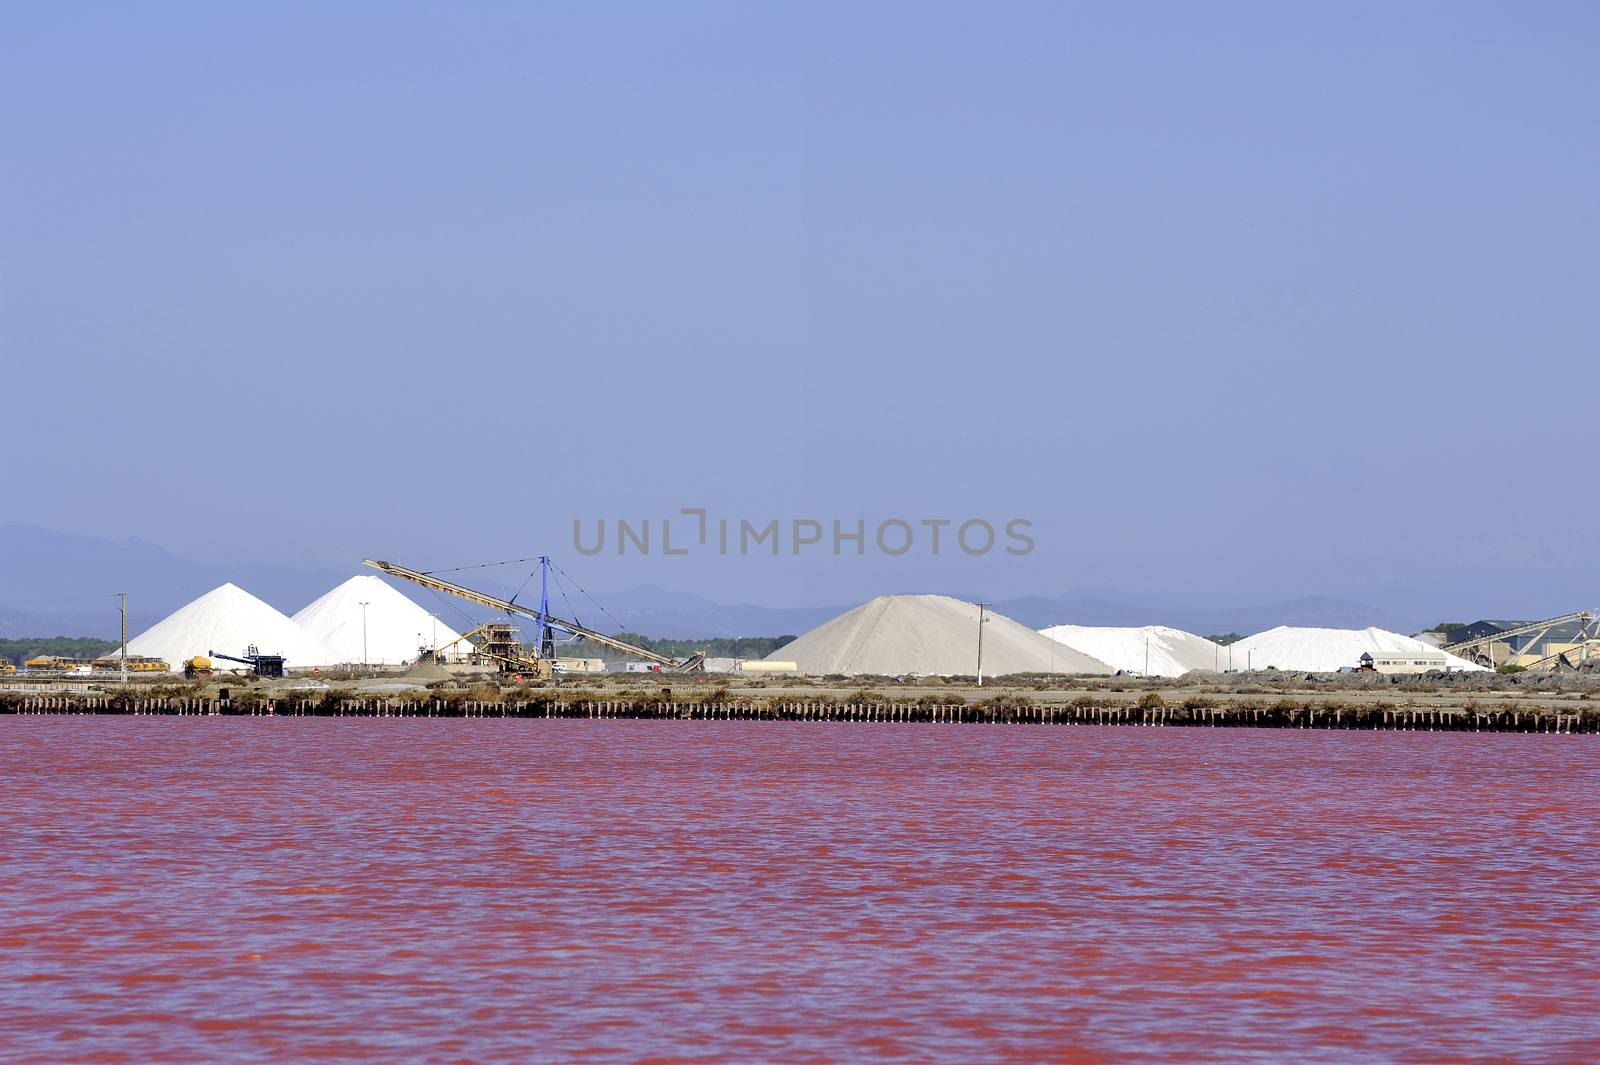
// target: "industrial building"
[[1405, 661], [1568, 641]]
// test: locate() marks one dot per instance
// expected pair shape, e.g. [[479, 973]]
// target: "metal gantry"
[[693, 664]]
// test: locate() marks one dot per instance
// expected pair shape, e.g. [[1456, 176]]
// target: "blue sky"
[[1234, 302]]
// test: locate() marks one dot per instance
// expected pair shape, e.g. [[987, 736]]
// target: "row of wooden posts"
[[1407, 718]]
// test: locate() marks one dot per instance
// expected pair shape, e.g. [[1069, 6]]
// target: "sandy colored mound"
[[932, 635], [1154, 650]]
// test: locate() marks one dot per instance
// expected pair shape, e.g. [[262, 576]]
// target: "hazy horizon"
[[61, 582]]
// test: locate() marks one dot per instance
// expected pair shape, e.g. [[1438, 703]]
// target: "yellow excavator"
[[541, 665], [112, 663]]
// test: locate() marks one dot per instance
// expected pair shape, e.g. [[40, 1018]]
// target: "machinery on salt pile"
[[261, 665], [498, 641]]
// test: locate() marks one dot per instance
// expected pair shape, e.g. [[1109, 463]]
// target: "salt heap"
[[1326, 650], [229, 620], [933, 635], [390, 633], [1154, 650]]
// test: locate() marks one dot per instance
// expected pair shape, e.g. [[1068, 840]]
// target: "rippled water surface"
[[448, 890]]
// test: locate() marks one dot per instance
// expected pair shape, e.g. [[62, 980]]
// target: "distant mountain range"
[[689, 621], [55, 583], [58, 584]]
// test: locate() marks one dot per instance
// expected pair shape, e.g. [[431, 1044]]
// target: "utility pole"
[[123, 596], [364, 633], [1147, 654], [981, 620]]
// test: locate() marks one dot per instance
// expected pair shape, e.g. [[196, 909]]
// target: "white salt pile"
[[1326, 650], [932, 635], [388, 630], [229, 620], [1153, 650]]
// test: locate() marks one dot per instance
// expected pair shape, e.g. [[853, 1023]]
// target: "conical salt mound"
[[1328, 650], [229, 620], [391, 631], [932, 635], [1153, 650]]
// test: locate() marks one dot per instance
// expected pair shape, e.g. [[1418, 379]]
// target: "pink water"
[[446, 890]]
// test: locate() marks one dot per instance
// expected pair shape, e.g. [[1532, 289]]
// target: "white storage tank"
[[763, 666]]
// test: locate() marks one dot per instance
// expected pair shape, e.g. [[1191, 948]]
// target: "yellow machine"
[[198, 666], [7, 668], [56, 664], [136, 664]]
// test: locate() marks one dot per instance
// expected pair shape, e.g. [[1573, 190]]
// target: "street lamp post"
[[981, 621], [123, 596], [364, 604]]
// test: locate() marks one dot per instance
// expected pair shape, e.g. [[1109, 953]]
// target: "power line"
[[479, 565], [620, 626], [572, 611]]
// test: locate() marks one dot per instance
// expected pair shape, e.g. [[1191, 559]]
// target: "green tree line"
[[714, 647], [19, 651]]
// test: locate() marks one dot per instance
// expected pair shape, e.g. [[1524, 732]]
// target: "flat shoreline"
[[1147, 710]]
